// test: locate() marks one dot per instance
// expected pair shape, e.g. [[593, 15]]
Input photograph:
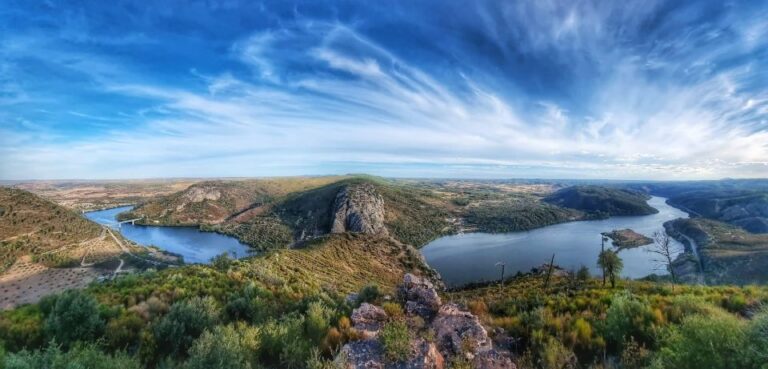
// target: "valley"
[[314, 249]]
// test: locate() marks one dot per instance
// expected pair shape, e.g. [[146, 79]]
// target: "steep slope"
[[602, 201], [746, 209], [213, 202], [32, 225], [359, 205], [728, 253]]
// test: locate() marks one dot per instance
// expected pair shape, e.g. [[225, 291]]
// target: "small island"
[[627, 238]]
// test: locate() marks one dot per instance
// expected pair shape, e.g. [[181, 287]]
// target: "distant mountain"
[[31, 225], [602, 201]]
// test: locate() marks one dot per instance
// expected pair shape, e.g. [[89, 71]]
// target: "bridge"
[[132, 221]]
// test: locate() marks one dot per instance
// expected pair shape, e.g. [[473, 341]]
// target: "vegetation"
[[514, 216], [32, 225], [627, 238], [745, 209], [611, 264], [394, 338], [602, 201], [636, 325], [728, 253]]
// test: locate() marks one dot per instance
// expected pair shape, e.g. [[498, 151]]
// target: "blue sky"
[[485, 89]]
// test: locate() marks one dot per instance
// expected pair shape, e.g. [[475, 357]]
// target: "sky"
[[446, 88]]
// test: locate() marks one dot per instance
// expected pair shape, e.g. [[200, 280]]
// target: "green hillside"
[[602, 201], [32, 225]]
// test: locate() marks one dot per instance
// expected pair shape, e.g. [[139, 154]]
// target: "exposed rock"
[[360, 209], [369, 319], [201, 193], [492, 359], [459, 332], [420, 296], [369, 354]]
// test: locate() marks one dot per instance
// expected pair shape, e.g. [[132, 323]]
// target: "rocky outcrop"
[[369, 354], [419, 296], [358, 208], [201, 193], [368, 319], [458, 334]]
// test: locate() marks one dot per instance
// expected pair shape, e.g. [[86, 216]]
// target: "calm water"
[[194, 245], [471, 257]]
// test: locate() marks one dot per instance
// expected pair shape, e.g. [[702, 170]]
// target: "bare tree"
[[665, 251]]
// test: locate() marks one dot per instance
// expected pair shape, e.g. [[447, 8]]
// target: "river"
[[472, 257], [191, 243]]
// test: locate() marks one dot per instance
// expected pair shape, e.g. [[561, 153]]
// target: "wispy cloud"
[[542, 89]]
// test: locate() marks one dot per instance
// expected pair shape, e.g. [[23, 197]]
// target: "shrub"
[[85, 357], [757, 336], [583, 274], [554, 355], [123, 331], [318, 320], [369, 293], [394, 338], [74, 317], [185, 322], [230, 346], [393, 310], [713, 342], [283, 342], [629, 318]]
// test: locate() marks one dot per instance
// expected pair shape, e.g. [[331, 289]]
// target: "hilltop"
[[32, 225], [602, 201]]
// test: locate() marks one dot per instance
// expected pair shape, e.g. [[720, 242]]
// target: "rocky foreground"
[[438, 334]]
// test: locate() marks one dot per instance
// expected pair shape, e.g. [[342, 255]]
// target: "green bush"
[[186, 321], [629, 318], [318, 321], [757, 336], [394, 338], [80, 357], [74, 317], [712, 342], [369, 293], [230, 346]]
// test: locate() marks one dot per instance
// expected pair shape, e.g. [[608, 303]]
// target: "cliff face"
[[358, 208]]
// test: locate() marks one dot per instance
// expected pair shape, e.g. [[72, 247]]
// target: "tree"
[[230, 346], [611, 264], [185, 322], [74, 317], [665, 252]]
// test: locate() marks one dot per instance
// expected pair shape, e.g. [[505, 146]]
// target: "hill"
[[746, 209], [728, 253], [31, 225], [212, 202], [411, 216], [602, 201]]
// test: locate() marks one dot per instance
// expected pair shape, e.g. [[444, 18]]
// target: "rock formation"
[[456, 334], [358, 208]]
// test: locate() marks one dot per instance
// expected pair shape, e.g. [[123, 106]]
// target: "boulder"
[[369, 354], [492, 359], [368, 319], [420, 296], [459, 332], [360, 209]]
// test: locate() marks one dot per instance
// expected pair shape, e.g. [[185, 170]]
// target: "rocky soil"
[[439, 334]]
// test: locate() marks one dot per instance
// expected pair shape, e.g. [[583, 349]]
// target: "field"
[[95, 195]]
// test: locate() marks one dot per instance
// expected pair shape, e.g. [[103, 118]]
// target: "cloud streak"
[[540, 89]]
